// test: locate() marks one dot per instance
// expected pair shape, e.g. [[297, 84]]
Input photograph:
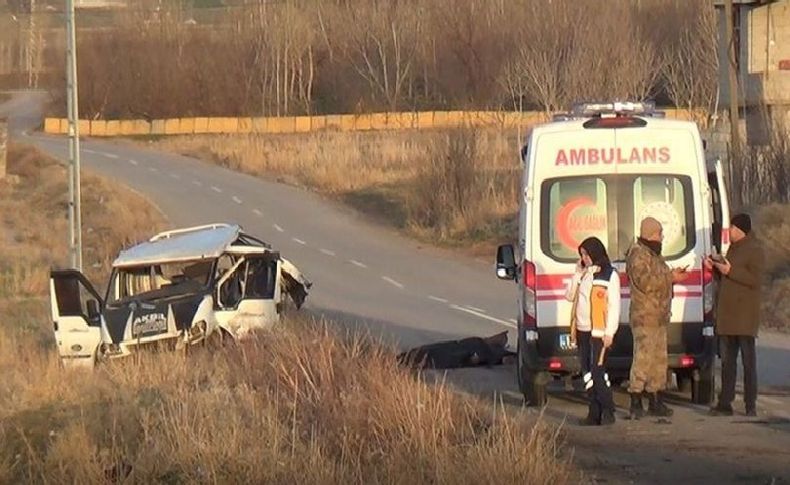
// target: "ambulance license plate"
[[565, 342]]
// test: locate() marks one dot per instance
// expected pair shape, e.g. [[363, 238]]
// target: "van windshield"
[[160, 280], [611, 207]]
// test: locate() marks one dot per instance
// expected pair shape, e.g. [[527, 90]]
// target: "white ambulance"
[[598, 171]]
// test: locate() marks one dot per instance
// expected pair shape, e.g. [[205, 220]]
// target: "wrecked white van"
[[181, 288]]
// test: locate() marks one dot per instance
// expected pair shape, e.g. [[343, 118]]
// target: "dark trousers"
[[729, 345], [594, 376]]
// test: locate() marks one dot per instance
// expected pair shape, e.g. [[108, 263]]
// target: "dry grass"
[[302, 405], [772, 225], [33, 204], [456, 187]]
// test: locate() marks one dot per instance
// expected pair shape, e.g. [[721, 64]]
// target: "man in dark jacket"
[[738, 314]]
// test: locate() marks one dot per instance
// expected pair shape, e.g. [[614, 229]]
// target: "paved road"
[[412, 295]]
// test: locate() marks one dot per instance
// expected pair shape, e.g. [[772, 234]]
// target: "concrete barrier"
[[423, 120]]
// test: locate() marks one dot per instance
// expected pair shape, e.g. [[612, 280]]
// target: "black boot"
[[593, 414], [607, 417], [656, 406], [636, 411]]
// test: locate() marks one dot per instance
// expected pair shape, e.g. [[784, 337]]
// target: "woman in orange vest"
[[595, 317]]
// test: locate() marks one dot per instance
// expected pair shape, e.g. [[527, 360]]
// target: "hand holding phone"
[[679, 274]]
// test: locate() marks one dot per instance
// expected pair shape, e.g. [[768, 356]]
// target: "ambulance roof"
[[578, 124]]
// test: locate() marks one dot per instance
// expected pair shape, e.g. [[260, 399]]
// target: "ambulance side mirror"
[[505, 262]]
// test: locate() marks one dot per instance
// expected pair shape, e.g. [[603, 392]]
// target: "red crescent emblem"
[[564, 217]]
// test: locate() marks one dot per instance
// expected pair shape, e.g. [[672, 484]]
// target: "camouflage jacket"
[[651, 287]]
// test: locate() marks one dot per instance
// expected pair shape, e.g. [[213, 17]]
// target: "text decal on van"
[[608, 156]]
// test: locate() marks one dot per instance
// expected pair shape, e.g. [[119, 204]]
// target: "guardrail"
[[306, 124]]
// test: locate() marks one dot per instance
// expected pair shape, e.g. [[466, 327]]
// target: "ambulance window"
[[576, 210], [611, 208], [669, 200]]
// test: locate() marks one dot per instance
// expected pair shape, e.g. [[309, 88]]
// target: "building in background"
[[762, 41]]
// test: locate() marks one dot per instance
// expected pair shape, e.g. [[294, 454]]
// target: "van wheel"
[[533, 386], [219, 339], [703, 390]]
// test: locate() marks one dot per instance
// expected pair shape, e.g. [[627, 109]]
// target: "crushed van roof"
[[204, 242]]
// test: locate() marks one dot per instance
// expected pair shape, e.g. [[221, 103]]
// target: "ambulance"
[[598, 171]]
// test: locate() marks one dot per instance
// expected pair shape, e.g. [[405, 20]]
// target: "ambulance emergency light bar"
[[616, 108]]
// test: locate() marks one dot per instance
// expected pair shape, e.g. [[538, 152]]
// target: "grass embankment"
[[301, 406], [34, 236], [772, 226], [456, 188]]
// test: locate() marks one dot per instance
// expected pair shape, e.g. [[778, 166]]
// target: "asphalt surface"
[[408, 294]]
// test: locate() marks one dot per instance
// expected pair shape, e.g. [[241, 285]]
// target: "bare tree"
[[691, 57], [538, 67], [381, 44], [566, 53]]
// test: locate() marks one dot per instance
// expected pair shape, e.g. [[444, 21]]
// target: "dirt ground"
[[691, 447]]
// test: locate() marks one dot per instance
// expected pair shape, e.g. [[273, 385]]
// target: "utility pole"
[[31, 42], [732, 74], [75, 211]]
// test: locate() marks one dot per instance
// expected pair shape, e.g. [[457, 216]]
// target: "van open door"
[[720, 208], [76, 317]]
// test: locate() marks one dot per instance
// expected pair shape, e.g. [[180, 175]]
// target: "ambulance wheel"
[[684, 380], [533, 386], [703, 390]]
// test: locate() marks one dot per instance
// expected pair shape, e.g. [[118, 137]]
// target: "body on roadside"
[[738, 313], [595, 316]]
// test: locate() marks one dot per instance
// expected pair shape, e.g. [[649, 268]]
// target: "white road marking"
[[513, 321], [475, 309], [328, 252], [133, 161], [436, 298], [257, 212], [236, 200], [216, 189], [357, 263], [88, 150], [175, 176], [198, 183], [771, 400], [108, 155], [298, 241], [482, 315], [278, 228], [153, 169], [392, 282]]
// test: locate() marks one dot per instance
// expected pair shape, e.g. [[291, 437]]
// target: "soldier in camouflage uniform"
[[651, 294]]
